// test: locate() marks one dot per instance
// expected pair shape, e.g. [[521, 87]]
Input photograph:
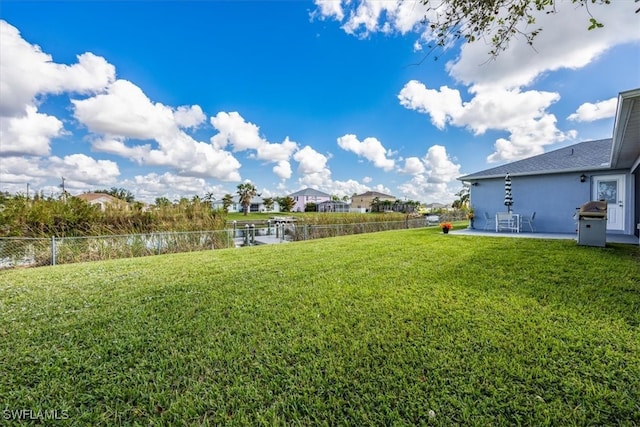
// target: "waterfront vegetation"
[[401, 327], [68, 216]]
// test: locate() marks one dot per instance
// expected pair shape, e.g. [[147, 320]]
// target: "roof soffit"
[[626, 133]]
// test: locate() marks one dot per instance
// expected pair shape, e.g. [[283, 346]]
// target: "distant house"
[[257, 205], [333, 206], [308, 195], [103, 200], [362, 202], [432, 207], [555, 184]]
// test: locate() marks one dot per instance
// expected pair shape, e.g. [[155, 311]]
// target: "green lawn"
[[395, 328]]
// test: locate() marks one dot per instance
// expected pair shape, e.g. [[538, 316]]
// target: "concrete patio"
[[611, 237]]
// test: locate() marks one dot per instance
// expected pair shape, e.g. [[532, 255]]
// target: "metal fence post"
[[53, 250]]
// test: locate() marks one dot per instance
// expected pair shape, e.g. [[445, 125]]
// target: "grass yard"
[[395, 328]]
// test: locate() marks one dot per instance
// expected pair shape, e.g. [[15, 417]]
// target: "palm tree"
[[246, 192], [463, 195], [227, 200]]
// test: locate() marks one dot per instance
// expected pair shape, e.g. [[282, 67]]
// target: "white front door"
[[611, 189]]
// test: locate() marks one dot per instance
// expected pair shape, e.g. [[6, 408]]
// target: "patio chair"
[[488, 221], [528, 220]]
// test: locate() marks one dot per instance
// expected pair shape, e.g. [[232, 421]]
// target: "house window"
[[608, 191]]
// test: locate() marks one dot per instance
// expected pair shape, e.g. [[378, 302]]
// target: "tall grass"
[[402, 327], [73, 217]]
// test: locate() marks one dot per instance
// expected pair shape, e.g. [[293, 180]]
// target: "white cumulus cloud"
[[283, 169], [370, 148], [310, 161], [153, 185], [81, 170], [442, 105], [413, 166], [434, 176], [29, 134], [563, 43], [26, 73], [81, 173], [238, 134], [370, 16], [523, 114], [589, 112], [234, 130], [126, 111], [125, 114], [27, 77], [498, 97], [329, 9]]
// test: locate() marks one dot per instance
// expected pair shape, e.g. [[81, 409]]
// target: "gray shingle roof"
[[309, 192], [375, 194], [584, 156]]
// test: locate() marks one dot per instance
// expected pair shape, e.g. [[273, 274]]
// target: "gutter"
[[550, 172]]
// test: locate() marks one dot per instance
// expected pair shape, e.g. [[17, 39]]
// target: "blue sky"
[[175, 99]]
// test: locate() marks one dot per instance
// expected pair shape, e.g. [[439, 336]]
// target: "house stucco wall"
[[301, 201], [553, 197], [364, 201], [636, 195]]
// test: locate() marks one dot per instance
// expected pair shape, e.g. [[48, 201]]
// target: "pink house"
[[308, 195]]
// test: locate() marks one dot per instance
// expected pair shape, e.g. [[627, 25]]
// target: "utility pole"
[[27, 191], [64, 191]]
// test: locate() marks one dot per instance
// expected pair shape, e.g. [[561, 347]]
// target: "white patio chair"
[[528, 220], [488, 221]]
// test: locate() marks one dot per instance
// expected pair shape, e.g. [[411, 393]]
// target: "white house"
[[257, 205]]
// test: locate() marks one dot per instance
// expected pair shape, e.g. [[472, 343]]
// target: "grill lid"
[[593, 209]]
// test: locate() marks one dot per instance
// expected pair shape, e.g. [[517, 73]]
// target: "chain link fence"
[[31, 252], [34, 252], [296, 232]]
